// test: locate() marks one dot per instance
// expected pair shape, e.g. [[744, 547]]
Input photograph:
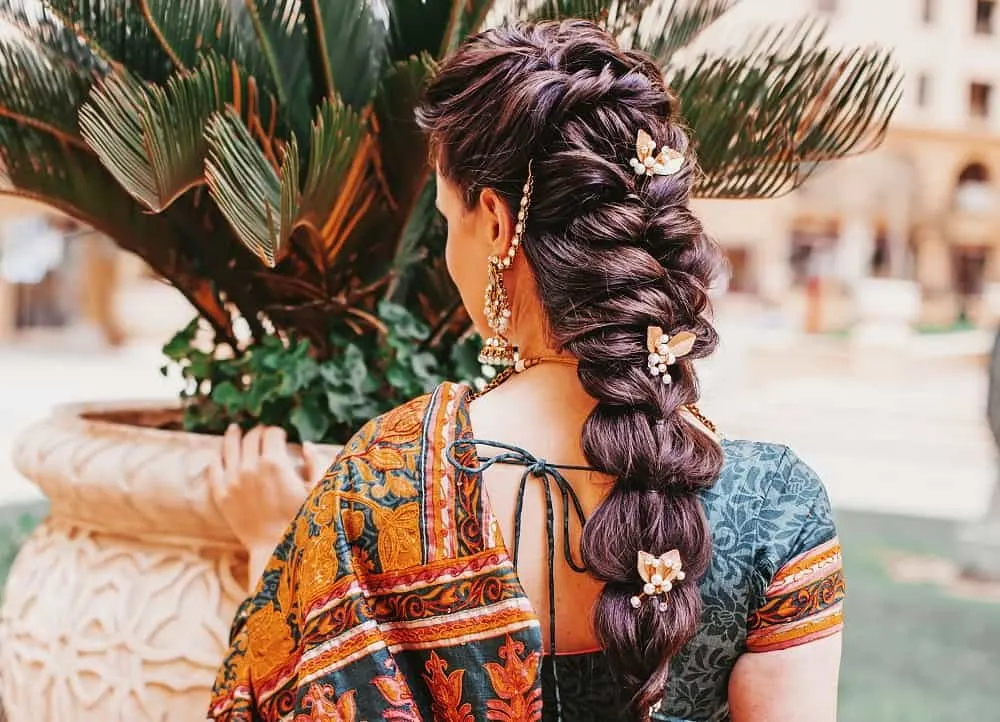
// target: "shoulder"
[[389, 479], [771, 473], [780, 502], [380, 443], [787, 530]]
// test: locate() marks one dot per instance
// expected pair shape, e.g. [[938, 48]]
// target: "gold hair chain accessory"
[[664, 350], [658, 574], [646, 162], [497, 349]]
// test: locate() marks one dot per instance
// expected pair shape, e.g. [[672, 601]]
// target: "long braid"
[[612, 253]]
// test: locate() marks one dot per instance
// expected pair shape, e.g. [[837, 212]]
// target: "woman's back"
[[393, 596]]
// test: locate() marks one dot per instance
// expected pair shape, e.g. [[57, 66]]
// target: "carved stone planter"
[[119, 605]]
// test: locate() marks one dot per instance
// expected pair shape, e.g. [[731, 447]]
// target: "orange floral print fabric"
[[386, 599]]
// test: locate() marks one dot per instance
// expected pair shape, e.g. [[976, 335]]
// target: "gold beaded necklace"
[[523, 364]]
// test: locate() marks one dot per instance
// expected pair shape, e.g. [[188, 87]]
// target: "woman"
[[442, 569]]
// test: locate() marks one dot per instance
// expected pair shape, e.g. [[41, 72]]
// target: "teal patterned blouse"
[[770, 518]]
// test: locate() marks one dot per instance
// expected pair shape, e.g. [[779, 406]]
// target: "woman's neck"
[[551, 382]]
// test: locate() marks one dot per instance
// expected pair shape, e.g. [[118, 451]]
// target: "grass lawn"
[[16, 523], [912, 652]]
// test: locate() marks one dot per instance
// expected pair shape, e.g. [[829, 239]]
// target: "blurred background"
[[856, 325]]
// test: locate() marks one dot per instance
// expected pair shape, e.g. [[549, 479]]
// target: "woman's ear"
[[498, 220]]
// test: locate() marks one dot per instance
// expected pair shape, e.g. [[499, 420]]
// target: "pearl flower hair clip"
[[658, 574], [664, 350], [667, 162]]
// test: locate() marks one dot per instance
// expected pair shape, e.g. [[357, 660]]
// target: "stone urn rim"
[[100, 471]]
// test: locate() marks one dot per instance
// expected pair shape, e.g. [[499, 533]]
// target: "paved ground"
[[890, 430], [913, 651], [36, 377], [899, 431]]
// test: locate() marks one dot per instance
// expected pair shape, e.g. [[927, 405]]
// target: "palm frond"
[[183, 28], [276, 29], [762, 117], [265, 206], [244, 185], [390, 235], [467, 17], [38, 166], [264, 39], [117, 32], [404, 165], [539, 10], [348, 47], [40, 89], [684, 20], [152, 139], [339, 185]]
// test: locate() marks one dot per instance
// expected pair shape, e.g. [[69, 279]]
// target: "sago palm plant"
[[261, 156]]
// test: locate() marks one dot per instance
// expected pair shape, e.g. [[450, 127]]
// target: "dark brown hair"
[[613, 253]]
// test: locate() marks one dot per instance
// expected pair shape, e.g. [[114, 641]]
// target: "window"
[[984, 17], [974, 173], [826, 6], [923, 90], [928, 11], [979, 100]]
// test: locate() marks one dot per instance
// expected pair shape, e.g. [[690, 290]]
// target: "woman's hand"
[[259, 487]]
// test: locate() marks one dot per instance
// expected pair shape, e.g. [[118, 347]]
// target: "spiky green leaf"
[[265, 206], [762, 117], [467, 18], [679, 26], [38, 87], [404, 165], [152, 139], [277, 30], [117, 31], [348, 46], [244, 185]]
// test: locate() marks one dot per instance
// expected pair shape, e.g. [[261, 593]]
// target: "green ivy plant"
[[285, 383]]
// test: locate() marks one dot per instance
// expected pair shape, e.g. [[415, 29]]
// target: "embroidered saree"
[[393, 597]]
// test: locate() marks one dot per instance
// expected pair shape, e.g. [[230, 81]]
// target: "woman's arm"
[[788, 685], [791, 665]]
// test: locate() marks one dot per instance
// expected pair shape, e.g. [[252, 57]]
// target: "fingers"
[[273, 449], [316, 464], [250, 451], [217, 487]]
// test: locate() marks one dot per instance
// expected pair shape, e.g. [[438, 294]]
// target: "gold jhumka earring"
[[497, 349]]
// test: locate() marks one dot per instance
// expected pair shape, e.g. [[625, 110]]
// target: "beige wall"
[[906, 189]]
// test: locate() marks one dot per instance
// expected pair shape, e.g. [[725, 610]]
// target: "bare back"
[[543, 412]]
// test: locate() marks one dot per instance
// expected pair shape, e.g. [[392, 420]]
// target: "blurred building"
[[55, 274], [920, 216]]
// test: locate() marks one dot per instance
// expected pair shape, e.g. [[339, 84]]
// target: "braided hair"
[[612, 253]]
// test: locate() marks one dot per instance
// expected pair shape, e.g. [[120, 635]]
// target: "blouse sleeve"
[[266, 637], [311, 578], [307, 643], [798, 563]]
